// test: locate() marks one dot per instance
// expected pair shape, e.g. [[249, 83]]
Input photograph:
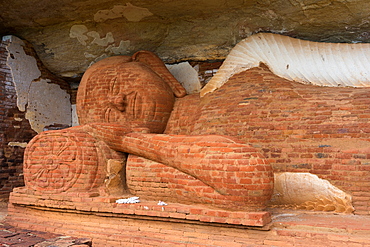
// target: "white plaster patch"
[[18, 144], [98, 59], [121, 49], [78, 32], [23, 70], [48, 104], [88, 38], [101, 41], [129, 11], [7, 38], [89, 55], [187, 76], [74, 116]]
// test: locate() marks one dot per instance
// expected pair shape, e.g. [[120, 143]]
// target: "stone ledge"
[[106, 206], [288, 228]]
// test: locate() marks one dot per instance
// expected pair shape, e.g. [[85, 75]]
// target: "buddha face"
[[130, 94]]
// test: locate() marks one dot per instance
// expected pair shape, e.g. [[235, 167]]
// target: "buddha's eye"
[[114, 86]]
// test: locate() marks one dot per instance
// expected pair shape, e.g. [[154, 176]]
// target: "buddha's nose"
[[119, 101]]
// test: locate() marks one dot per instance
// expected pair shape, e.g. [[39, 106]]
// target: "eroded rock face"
[[70, 35]]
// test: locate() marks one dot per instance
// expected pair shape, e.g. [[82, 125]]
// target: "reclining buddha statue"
[[123, 105]]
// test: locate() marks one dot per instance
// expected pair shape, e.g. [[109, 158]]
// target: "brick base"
[[80, 203], [118, 229], [111, 224]]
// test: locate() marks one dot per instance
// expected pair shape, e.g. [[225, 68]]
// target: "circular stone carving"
[[57, 161]]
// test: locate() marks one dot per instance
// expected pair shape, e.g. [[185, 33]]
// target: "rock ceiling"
[[69, 35]]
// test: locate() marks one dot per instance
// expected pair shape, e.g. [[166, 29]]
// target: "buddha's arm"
[[111, 134], [230, 167], [227, 165]]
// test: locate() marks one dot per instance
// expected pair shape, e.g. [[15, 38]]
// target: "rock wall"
[[70, 36]]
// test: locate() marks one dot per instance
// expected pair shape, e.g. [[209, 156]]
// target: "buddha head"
[[136, 92]]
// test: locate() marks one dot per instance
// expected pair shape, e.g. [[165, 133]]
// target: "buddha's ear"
[[157, 65]]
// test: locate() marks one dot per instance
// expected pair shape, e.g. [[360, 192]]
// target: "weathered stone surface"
[[70, 35]]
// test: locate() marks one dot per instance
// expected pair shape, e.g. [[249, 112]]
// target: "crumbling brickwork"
[[14, 130]]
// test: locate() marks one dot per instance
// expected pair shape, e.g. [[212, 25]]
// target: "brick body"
[[298, 128]]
